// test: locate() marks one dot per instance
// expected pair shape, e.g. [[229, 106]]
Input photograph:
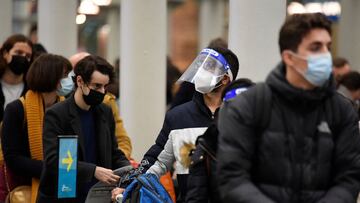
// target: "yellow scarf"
[[34, 111]]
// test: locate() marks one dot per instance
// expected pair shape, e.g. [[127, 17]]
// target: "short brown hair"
[[339, 62], [46, 71], [297, 26], [218, 42]]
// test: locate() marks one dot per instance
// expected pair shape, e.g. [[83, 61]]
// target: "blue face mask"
[[319, 69], [67, 86]]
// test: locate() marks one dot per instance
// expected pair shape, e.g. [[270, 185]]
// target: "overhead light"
[[331, 8], [295, 7], [102, 2], [88, 7], [313, 7], [80, 19]]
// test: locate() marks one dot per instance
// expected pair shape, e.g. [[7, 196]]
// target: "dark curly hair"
[[86, 67]]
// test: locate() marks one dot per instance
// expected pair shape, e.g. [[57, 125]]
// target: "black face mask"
[[19, 64], [94, 98]]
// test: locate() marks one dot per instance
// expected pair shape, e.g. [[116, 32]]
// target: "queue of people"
[[293, 138]]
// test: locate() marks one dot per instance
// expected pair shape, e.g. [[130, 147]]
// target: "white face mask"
[[205, 81]]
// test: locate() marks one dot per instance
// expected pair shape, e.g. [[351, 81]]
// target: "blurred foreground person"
[[292, 139]]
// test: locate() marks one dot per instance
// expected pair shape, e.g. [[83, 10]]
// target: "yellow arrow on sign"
[[68, 160]]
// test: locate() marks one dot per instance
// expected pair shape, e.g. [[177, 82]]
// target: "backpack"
[[146, 188]]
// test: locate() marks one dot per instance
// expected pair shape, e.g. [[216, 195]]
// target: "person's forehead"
[[99, 78], [22, 46], [345, 69], [317, 36]]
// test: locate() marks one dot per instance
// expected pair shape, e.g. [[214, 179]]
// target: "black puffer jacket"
[[202, 172], [309, 152]]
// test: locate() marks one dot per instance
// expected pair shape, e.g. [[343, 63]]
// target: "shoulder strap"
[[263, 103], [332, 112], [22, 99]]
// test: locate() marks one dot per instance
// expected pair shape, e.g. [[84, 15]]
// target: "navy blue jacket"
[[193, 114]]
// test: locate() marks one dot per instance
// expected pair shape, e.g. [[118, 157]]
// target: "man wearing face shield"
[[305, 144], [211, 71]]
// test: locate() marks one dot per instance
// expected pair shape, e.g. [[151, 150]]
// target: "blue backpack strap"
[[128, 190]]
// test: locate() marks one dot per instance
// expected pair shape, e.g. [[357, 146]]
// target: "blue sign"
[[67, 166]]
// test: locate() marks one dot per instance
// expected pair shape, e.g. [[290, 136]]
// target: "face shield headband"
[[208, 62], [220, 58]]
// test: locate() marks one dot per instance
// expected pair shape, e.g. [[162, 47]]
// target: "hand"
[[106, 175], [116, 192]]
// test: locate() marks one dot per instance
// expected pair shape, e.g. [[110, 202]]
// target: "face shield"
[[206, 71]]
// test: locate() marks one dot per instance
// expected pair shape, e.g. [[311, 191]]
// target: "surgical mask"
[[67, 86], [94, 98], [19, 64], [205, 81], [319, 68]]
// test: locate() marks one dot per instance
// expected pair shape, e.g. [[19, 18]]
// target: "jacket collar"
[[198, 99], [301, 99]]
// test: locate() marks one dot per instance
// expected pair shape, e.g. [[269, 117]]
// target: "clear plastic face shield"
[[206, 71]]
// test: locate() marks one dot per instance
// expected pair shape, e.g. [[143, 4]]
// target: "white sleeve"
[[165, 160]]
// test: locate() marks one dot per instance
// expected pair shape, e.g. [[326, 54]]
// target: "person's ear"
[[288, 57], [79, 81], [225, 80], [7, 57]]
